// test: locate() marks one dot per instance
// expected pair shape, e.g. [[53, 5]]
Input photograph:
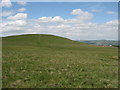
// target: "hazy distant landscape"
[[101, 42]]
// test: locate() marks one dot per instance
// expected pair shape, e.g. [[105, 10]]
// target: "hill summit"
[[38, 40]]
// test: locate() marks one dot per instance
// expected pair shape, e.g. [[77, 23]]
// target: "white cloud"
[[110, 12], [7, 13], [50, 19], [22, 3], [57, 19], [113, 22], [6, 3], [82, 15], [45, 19], [76, 31], [13, 27], [14, 23], [18, 23], [80, 12], [18, 16], [21, 9], [59, 26], [77, 12]]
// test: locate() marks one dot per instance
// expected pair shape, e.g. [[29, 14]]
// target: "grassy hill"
[[39, 40], [47, 61]]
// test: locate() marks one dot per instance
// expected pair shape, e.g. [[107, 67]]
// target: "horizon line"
[[58, 36]]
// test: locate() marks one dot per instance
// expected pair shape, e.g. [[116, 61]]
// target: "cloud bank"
[[6, 3], [80, 27]]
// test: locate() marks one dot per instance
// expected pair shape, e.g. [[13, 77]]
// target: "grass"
[[46, 61]]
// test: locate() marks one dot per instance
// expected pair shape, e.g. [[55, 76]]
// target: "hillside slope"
[[47, 61], [38, 39]]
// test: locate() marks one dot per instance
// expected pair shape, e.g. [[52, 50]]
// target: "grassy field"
[[46, 61]]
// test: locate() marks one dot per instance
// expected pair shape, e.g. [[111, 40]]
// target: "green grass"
[[46, 61]]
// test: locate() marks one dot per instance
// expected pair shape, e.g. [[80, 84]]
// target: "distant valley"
[[100, 42]]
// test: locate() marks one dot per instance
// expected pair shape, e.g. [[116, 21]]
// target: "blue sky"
[[63, 9], [101, 13]]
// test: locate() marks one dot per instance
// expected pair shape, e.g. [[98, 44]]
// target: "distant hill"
[[100, 42]]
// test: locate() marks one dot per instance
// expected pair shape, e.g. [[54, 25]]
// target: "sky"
[[73, 20]]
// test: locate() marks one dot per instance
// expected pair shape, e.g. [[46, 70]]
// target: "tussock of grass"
[[46, 61]]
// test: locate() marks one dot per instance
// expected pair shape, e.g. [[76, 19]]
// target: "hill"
[[47, 61], [37, 39]]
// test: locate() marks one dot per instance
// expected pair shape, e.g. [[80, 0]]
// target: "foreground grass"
[[57, 63]]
